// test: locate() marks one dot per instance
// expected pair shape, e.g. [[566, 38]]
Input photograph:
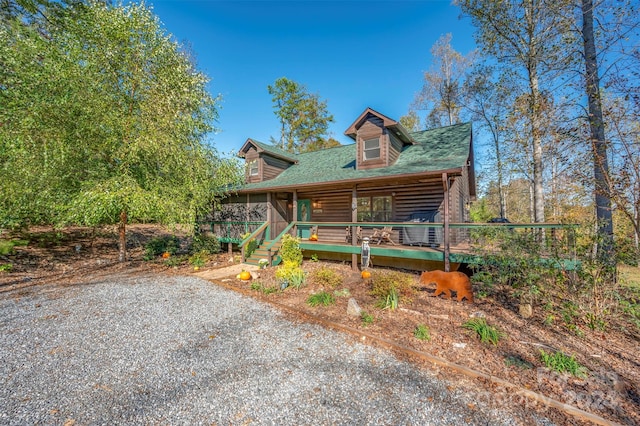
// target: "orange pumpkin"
[[365, 274], [313, 237], [166, 255], [245, 275]]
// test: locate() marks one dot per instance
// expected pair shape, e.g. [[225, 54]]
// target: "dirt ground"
[[610, 390]]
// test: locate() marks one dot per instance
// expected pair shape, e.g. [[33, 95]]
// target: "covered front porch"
[[407, 245]]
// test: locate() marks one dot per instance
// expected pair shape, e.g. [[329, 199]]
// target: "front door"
[[304, 215]]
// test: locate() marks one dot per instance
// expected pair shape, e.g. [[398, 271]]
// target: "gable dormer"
[[379, 139], [263, 161]]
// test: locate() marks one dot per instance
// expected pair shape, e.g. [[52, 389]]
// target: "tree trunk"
[[598, 141], [122, 243]]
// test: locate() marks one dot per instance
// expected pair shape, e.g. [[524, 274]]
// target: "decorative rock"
[[459, 345], [525, 310], [353, 308], [477, 314]]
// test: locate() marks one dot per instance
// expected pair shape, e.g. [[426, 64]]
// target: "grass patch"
[[323, 298], [557, 361], [487, 333], [422, 332]]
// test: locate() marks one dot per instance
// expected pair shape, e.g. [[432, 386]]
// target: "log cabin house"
[[401, 189]]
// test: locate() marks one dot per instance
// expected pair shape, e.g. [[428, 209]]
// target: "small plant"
[[326, 277], [159, 245], [558, 361], [251, 246], [389, 286], [5, 267], [323, 298], [199, 259], [342, 293], [422, 332], [289, 274], [486, 332], [175, 261], [314, 258], [367, 319], [257, 286], [263, 263], [517, 361], [390, 301]]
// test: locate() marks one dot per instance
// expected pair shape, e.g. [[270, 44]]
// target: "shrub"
[[422, 332], [156, 246], [562, 363], [323, 298], [290, 250], [389, 286], [199, 259], [207, 243], [486, 332], [251, 246], [326, 277], [291, 275]]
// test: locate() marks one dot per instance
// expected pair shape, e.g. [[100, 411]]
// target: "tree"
[[533, 47], [442, 91], [304, 118], [411, 121], [106, 121]]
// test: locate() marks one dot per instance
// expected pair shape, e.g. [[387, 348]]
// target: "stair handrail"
[[253, 235], [277, 239]]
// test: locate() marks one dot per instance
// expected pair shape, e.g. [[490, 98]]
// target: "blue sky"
[[354, 54]]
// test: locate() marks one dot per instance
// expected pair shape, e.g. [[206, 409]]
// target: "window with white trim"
[[253, 168], [371, 149]]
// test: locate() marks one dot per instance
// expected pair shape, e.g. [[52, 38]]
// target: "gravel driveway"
[[180, 350]]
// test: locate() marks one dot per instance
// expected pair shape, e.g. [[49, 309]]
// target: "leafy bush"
[[5, 267], [199, 259], [323, 298], [251, 246], [422, 332], [159, 245], [327, 277], [290, 274], [486, 332], [290, 250], [562, 363], [389, 286], [208, 243]]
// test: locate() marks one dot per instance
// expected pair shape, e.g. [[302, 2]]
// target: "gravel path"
[[180, 350]]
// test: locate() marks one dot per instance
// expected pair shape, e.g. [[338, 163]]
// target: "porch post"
[[269, 216], [447, 248], [354, 218], [295, 211]]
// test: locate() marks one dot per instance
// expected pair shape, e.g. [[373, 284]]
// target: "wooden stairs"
[[261, 252]]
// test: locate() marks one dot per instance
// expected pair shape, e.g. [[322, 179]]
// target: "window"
[[374, 209], [253, 168], [371, 149]]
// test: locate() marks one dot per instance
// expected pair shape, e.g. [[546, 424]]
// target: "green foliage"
[[322, 298], [291, 274], [251, 246], [486, 333], [174, 261], [314, 257], [158, 245], [326, 277], [199, 259], [6, 247], [389, 286], [290, 250], [366, 319], [104, 121], [344, 292], [557, 361], [5, 267], [207, 243], [257, 286], [422, 332], [304, 118]]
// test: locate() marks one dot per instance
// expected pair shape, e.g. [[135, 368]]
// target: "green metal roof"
[[435, 150]]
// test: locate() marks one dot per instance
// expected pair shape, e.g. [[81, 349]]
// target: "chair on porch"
[[358, 234], [382, 235]]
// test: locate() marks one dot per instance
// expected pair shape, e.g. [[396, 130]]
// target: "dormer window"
[[253, 168], [371, 149]]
